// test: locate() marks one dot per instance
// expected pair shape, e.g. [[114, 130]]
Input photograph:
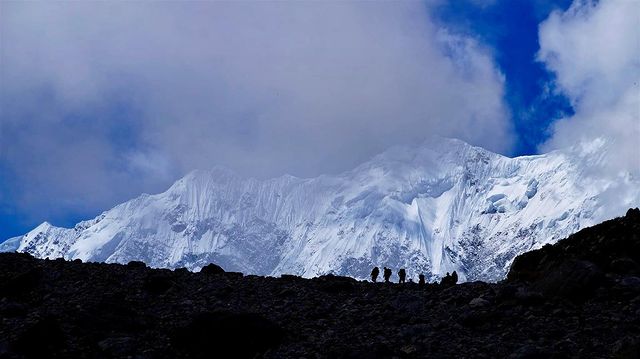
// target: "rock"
[[530, 352], [290, 277], [527, 296], [573, 279], [4, 349], [157, 284], [409, 349], [631, 283], [474, 318], [575, 267], [627, 348], [624, 265], [118, 346], [238, 335], [182, 270], [334, 284], [136, 264], [41, 338], [564, 347], [234, 275], [21, 283], [505, 292], [478, 302], [13, 309], [633, 214], [211, 269], [375, 350], [527, 267], [286, 293]]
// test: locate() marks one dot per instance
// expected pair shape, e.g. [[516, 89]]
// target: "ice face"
[[434, 208]]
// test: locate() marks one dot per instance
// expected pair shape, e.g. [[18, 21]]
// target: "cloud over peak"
[[125, 97], [594, 50]]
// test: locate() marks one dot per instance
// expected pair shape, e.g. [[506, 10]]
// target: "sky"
[[100, 102]]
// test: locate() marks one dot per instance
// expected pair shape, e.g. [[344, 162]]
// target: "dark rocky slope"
[[578, 298]]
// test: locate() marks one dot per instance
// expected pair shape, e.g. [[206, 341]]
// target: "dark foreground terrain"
[[579, 298]]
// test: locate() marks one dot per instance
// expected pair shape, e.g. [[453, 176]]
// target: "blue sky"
[[101, 102], [510, 28]]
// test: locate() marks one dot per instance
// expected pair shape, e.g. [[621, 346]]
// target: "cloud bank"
[[101, 101], [594, 50]]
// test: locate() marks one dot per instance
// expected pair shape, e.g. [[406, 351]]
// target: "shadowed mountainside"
[[577, 298]]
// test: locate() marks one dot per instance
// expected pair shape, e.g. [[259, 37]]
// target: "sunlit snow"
[[437, 207]]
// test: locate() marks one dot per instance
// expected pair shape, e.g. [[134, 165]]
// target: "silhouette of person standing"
[[446, 280], [421, 280], [402, 274], [450, 279], [374, 274], [387, 274]]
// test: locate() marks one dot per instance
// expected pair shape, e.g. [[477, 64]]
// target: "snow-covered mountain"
[[440, 206]]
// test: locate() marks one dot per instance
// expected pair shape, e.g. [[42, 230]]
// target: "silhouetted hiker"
[[387, 274], [374, 274], [446, 280], [421, 280], [450, 279], [402, 275]]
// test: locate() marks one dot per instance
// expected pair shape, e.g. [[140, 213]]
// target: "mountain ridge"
[[439, 206]]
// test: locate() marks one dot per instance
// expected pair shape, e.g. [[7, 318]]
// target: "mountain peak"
[[42, 227], [433, 207]]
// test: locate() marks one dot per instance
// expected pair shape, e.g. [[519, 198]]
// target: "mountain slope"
[[441, 206]]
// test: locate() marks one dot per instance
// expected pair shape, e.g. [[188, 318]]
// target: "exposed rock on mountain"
[[434, 208]]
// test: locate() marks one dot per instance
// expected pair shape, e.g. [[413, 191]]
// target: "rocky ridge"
[[577, 298]]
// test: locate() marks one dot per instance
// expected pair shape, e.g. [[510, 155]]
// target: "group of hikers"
[[448, 280]]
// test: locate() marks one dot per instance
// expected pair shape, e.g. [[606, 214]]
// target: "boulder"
[[574, 279], [212, 269]]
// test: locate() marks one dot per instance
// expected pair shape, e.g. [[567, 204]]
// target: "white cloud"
[[263, 87], [594, 50]]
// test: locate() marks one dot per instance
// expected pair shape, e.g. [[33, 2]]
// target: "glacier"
[[435, 207]]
